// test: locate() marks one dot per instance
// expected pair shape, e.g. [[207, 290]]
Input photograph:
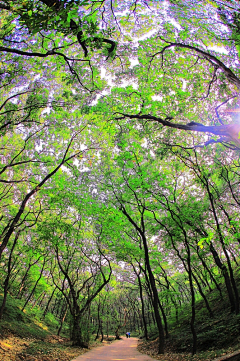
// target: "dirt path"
[[125, 349]]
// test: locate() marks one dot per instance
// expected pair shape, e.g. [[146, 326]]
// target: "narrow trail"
[[122, 350]]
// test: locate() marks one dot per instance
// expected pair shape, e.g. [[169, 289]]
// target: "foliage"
[[119, 168]]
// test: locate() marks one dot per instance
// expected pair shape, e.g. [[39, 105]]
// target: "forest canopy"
[[119, 161]]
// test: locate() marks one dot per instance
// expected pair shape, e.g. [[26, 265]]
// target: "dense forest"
[[119, 162]]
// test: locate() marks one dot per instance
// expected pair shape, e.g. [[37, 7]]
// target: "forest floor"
[[151, 348], [53, 348], [217, 335], [25, 336]]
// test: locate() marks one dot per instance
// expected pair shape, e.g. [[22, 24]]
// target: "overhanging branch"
[[229, 131], [213, 59]]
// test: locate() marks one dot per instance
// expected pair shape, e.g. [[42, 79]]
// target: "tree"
[[107, 113]]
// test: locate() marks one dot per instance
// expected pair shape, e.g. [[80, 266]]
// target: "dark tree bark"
[[25, 277], [211, 199], [203, 295], [62, 319], [35, 286], [76, 335], [209, 272], [219, 264], [225, 274], [72, 299], [76, 29], [142, 302], [141, 232], [164, 319], [13, 224], [39, 297], [9, 269], [48, 303]]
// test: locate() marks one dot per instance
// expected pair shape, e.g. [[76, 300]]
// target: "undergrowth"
[[216, 335], [27, 323]]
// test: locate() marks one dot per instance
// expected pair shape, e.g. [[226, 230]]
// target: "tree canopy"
[[120, 140]]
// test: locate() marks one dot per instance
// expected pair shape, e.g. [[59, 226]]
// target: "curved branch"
[[13, 96], [230, 130], [21, 52], [228, 72], [216, 109], [10, 229]]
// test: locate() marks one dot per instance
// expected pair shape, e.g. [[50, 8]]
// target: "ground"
[[54, 348], [124, 349], [151, 348]]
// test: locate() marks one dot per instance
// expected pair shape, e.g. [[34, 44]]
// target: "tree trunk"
[[49, 301], [155, 296], [117, 332], [203, 296], [142, 303], [235, 303], [6, 282], [62, 320], [76, 335], [164, 319], [33, 290], [225, 274], [25, 277]]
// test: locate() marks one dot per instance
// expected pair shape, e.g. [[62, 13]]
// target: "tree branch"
[[229, 130], [228, 72]]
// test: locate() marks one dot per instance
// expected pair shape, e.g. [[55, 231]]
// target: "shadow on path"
[[121, 350]]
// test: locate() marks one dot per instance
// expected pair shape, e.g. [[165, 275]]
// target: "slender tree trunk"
[[34, 288], [25, 277], [155, 296], [41, 301], [117, 332], [6, 282], [101, 330], [98, 314], [62, 320], [23, 282], [38, 298], [54, 306], [10, 228], [225, 274], [141, 232], [188, 269], [176, 309], [142, 303], [194, 348], [164, 319], [203, 296], [236, 301]]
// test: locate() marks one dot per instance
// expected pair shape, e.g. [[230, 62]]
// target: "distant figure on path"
[[127, 334]]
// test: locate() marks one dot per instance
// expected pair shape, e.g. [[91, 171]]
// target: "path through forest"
[[125, 349]]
